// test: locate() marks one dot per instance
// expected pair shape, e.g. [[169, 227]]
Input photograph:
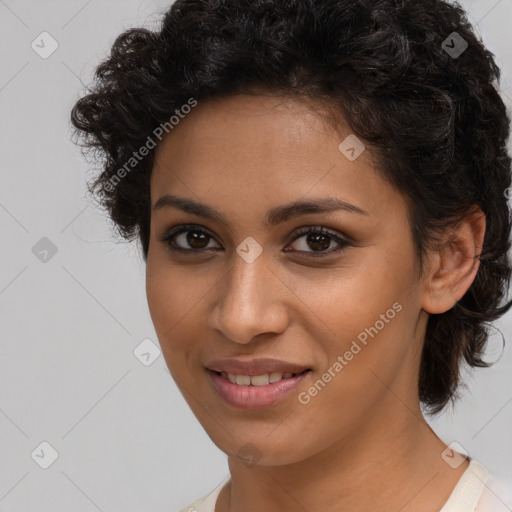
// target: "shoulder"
[[477, 491], [203, 504], [207, 502], [497, 496]]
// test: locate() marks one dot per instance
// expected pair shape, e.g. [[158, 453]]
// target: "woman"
[[319, 190]]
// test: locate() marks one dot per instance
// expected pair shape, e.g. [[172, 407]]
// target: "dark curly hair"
[[436, 120]]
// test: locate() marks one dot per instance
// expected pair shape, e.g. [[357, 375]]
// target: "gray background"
[[125, 438]]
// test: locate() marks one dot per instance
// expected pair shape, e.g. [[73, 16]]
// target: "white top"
[[474, 492]]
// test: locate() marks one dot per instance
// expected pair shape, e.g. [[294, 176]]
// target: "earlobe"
[[454, 265]]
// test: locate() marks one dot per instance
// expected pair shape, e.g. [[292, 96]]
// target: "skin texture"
[[361, 443]]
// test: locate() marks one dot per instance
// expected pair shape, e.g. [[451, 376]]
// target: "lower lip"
[[255, 397]]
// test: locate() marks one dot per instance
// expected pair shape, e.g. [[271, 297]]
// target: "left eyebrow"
[[321, 205], [275, 216]]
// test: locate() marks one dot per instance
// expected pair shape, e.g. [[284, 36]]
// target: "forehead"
[[250, 122], [254, 149]]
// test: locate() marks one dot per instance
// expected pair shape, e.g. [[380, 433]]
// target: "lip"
[[255, 397], [254, 366]]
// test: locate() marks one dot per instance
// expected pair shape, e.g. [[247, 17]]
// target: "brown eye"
[[318, 240], [196, 239], [188, 239]]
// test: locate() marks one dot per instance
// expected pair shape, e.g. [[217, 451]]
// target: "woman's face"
[[250, 281]]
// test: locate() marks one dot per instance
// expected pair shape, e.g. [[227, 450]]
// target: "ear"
[[454, 263]]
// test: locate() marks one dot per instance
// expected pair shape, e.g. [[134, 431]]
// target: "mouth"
[[258, 380], [257, 391]]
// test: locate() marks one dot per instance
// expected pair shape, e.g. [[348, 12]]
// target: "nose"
[[251, 301]]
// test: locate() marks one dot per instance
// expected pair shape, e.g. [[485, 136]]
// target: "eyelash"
[[317, 230]]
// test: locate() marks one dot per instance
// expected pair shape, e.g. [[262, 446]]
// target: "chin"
[[261, 449]]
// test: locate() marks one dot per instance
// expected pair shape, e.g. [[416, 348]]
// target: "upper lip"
[[254, 366]]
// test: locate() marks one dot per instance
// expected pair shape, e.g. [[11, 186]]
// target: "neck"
[[395, 467]]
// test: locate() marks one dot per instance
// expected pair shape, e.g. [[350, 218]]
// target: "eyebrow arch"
[[275, 216]]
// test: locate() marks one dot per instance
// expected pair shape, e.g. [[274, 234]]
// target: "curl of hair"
[[438, 123]]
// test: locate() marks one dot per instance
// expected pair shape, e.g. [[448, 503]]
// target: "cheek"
[[176, 300], [171, 291], [158, 293], [348, 304], [368, 318], [167, 300]]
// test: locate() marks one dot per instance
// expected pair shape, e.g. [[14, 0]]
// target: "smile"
[[255, 391], [256, 380]]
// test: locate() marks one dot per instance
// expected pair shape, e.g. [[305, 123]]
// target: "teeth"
[[256, 380], [260, 380], [243, 380], [275, 376]]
